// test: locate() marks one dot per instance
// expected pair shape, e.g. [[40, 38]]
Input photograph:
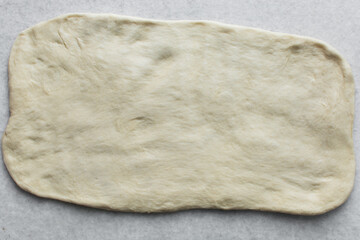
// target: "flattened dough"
[[140, 115]]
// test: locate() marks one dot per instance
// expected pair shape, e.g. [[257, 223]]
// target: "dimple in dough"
[[141, 115]]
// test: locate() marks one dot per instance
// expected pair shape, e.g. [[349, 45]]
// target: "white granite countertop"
[[24, 216]]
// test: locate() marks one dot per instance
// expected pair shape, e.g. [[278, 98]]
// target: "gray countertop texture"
[[25, 216]]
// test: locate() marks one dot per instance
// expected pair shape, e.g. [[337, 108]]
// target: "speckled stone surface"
[[24, 216]]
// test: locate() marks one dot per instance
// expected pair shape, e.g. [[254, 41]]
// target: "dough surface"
[[140, 115]]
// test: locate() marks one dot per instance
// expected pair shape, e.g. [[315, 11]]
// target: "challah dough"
[[140, 115]]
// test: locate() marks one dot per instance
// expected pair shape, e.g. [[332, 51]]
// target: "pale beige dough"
[[141, 115]]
